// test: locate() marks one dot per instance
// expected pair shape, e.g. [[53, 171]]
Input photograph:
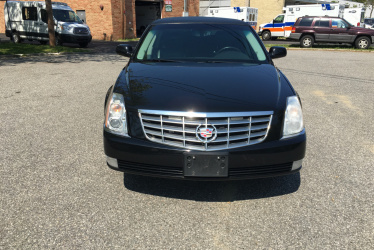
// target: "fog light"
[[296, 164], [115, 123], [112, 162]]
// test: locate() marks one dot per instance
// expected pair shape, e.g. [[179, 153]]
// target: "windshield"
[[201, 43], [68, 16], [369, 21]]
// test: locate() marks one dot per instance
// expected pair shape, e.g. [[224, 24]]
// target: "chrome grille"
[[80, 31], [181, 129]]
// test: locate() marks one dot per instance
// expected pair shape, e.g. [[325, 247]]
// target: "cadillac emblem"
[[206, 133]]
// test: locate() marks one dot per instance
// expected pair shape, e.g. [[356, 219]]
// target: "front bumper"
[[75, 38], [143, 157], [259, 33]]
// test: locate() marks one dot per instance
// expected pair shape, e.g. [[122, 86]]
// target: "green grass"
[[9, 48], [318, 46]]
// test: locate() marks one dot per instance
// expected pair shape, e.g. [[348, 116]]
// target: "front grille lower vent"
[[205, 131], [80, 31]]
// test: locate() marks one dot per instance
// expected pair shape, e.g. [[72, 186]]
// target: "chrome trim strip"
[[205, 115], [249, 129], [228, 132], [184, 133]]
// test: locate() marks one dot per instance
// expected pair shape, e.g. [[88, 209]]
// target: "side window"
[[146, 49], [322, 23], [305, 22], [44, 15], [279, 19], [29, 13], [256, 46], [338, 23]]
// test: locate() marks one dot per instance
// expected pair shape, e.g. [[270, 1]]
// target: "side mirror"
[[277, 52], [124, 50]]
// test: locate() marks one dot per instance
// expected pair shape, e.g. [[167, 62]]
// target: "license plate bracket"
[[206, 165]]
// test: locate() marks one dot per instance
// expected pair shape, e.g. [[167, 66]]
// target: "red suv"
[[309, 30]]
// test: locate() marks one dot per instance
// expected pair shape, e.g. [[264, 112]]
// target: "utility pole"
[[185, 8], [51, 23]]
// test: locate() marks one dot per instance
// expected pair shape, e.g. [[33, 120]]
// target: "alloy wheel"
[[363, 44], [307, 42]]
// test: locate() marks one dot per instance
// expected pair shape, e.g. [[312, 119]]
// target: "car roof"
[[199, 19], [320, 17]]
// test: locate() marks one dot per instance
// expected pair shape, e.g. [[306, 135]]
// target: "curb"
[[44, 54], [343, 50]]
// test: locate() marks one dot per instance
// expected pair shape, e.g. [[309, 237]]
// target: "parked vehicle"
[[29, 20], [282, 24], [245, 14], [200, 98], [368, 22], [309, 30], [355, 16]]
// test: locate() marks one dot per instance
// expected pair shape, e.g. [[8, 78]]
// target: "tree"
[[51, 23], [368, 4]]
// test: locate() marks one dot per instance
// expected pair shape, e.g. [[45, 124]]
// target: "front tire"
[[16, 38], [306, 41], [362, 42], [266, 35], [58, 41]]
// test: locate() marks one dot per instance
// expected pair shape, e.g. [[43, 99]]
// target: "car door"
[[340, 31], [322, 29], [278, 26], [43, 25], [29, 17]]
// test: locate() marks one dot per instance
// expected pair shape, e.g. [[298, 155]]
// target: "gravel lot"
[[57, 192]]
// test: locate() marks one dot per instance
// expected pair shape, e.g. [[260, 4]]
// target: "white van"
[[355, 16], [29, 20], [245, 14]]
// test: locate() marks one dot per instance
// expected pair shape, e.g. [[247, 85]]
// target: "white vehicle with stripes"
[[281, 25], [245, 14]]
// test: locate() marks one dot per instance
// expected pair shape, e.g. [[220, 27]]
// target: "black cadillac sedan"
[[201, 99]]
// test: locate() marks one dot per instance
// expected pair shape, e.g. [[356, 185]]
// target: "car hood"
[[361, 29], [74, 25], [203, 87]]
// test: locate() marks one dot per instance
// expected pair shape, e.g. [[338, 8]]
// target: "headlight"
[[66, 27], [115, 115], [293, 119]]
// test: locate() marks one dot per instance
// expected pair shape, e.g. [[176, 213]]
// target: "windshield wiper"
[[160, 60], [213, 61]]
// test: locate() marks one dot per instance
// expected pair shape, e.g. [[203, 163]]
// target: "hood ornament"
[[206, 133]]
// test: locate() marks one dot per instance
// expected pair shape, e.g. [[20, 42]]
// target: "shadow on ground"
[[65, 58], [97, 51], [214, 191]]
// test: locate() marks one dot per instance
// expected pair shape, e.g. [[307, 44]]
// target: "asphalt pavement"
[[57, 192]]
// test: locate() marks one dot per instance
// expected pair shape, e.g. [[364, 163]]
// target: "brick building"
[[116, 19]]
